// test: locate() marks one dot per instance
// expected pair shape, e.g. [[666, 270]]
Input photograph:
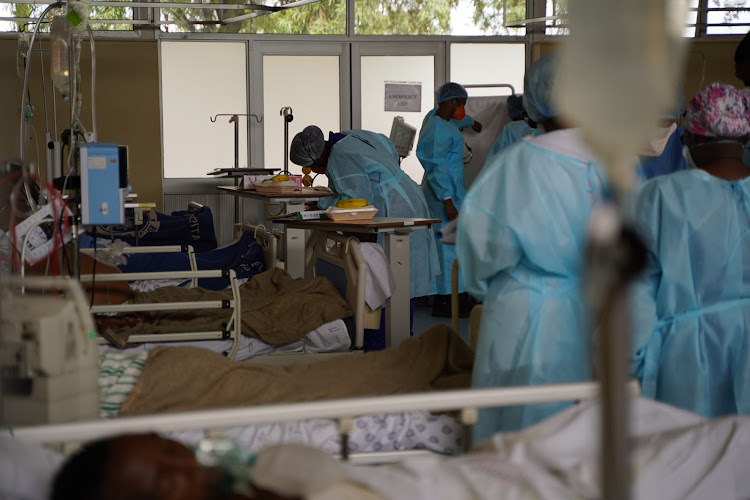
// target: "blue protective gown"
[[520, 240], [441, 151], [670, 160], [512, 133], [365, 165], [691, 346]]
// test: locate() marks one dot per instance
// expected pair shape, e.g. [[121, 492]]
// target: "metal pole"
[[286, 112], [614, 257], [236, 120]]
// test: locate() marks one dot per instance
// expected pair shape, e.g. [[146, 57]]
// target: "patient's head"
[[129, 467]]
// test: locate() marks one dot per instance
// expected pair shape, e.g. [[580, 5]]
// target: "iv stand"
[[235, 118], [286, 112], [615, 255]]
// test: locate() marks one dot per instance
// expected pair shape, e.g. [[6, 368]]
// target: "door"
[[381, 66]]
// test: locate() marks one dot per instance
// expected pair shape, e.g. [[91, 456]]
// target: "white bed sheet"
[[675, 455], [416, 430], [330, 337]]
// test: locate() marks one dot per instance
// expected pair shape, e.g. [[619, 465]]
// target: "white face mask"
[[656, 146]]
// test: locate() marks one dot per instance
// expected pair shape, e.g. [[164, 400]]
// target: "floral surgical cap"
[[719, 110]]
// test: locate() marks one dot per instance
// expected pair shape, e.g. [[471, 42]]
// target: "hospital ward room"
[[375, 249]]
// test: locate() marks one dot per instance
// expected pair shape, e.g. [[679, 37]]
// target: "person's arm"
[[490, 233], [466, 122]]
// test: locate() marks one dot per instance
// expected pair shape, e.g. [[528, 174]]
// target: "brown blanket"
[[190, 378], [275, 308]]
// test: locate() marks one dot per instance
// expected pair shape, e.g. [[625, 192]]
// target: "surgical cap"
[[307, 146], [679, 105], [538, 84], [719, 110], [451, 90], [515, 106]]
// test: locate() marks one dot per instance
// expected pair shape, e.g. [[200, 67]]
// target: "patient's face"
[[148, 466]]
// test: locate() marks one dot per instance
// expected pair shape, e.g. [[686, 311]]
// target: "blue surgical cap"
[[514, 106], [679, 105], [307, 146], [451, 90], [538, 84]]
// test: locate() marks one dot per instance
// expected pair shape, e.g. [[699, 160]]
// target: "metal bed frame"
[[467, 402]]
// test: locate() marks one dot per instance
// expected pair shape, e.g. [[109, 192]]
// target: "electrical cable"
[[26, 242], [27, 72], [268, 209], [94, 128], [55, 201], [44, 89], [93, 272]]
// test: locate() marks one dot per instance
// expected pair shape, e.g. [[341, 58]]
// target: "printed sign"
[[403, 96]]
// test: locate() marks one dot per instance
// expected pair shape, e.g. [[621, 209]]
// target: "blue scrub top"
[[522, 234], [512, 133], [692, 304], [363, 164], [440, 151]]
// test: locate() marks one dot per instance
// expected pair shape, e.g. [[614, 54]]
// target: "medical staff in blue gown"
[[440, 151], [520, 240], [663, 155], [516, 129], [691, 345], [362, 164]]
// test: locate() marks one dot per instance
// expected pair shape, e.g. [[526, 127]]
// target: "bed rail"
[[268, 242], [345, 253], [468, 401], [234, 324], [188, 249]]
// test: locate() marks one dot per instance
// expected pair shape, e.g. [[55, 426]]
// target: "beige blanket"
[[190, 378], [275, 308]]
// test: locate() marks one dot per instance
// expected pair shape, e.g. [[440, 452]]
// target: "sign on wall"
[[403, 96]]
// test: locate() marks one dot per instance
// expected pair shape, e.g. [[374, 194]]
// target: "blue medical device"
[[104, 183]]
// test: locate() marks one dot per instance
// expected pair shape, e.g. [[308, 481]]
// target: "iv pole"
[[235, 118]]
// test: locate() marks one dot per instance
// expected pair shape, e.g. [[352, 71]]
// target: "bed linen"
[[329, 337], [675, 455], [244, 256], [275, 308], [436, 360], [191, 228], [120, 372]]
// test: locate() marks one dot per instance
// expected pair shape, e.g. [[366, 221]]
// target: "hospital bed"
[[343, 414], [330, 339]]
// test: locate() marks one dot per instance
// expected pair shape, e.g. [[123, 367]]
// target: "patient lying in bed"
[[274, 308], [146, 466], [437, 359]]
